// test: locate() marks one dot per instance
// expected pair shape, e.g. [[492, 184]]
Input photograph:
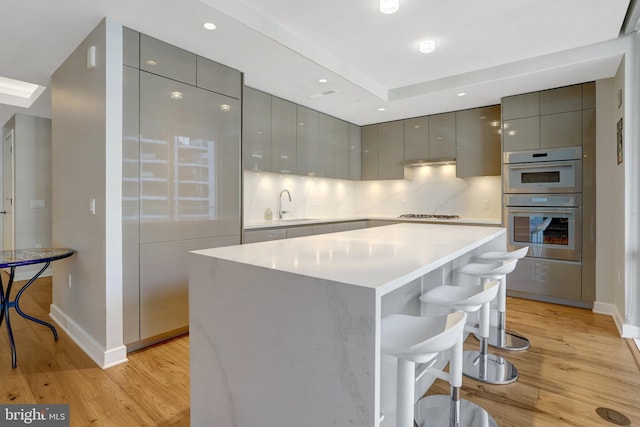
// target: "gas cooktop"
[[429, 216]]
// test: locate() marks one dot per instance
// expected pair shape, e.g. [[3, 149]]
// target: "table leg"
[[5, 310], [15, 303]]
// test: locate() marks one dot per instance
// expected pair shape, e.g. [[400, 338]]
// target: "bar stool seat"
[[478, 365], [414, 339], [499, 337]]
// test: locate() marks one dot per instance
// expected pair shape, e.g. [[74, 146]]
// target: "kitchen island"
[[287, 332]]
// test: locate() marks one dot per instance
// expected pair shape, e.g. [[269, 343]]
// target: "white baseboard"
[[103, 358], [625, 330]]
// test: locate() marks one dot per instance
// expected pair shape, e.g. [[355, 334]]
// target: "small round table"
[[16, 258]]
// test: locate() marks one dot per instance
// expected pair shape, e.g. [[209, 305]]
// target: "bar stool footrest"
[[433, 411], [497, 370]]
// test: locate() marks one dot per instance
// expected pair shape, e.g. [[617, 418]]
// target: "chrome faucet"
[[280, 211]]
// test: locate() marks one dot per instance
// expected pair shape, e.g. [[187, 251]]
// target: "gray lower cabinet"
[[478, 142], [546, 278], [255, 236]]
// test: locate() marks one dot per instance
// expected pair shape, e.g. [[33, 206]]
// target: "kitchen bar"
[[287, 332]]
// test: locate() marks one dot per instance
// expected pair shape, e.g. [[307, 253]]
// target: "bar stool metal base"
[[433, 411], [496, 370], [508, 341]]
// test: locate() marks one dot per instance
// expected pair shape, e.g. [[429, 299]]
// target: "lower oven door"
[[550, 232]]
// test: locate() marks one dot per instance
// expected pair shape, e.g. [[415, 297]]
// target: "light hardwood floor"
[[576, 363]]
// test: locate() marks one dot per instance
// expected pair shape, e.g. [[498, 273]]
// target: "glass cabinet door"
[[189, 161]]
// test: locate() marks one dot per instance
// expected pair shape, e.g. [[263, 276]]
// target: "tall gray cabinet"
[[181, 177]]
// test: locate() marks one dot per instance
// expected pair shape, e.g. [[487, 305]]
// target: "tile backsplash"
[[433, 189]]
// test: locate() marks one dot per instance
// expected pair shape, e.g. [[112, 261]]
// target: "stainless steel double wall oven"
[[543, 210]]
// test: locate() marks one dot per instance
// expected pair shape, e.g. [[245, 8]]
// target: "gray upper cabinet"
[[343, 149], [327, 146], [416, 138], [369, 152], [557, 124], [561, 130], [307, 141], [283, 136], [166, 60], [560, 100], [521, 134], [519, 106], [355, 152], [218, 78], [391, 150], [442, 136], [478, 142], [131, 47], [256, 130]]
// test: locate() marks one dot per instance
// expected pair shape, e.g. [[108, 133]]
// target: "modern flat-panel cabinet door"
[[416, 138], [478, 142], [342, 150], [442, 136], [391, 150], [355, 154], [283, 136], [561, 130], [307, 141], [369, 152], [327, 146], [256, 130], [189, 190], [521, 134]]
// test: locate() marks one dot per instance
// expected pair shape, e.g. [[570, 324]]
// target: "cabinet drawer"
[[264, 235], [299, 231], [558, 279], [323, 229]]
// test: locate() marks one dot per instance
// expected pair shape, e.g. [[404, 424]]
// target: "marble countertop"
[[290, 222], [383, 258]]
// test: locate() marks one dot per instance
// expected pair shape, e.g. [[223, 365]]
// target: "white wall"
[[433, 189], [32, 151], [87, 156]]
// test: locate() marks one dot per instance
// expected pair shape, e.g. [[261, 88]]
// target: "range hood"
[[432, 162]]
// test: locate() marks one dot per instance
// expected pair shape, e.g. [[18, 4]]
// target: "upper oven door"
[[543, 177], [550, 232]]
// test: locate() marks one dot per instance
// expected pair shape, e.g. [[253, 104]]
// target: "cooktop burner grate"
[[429, 216]]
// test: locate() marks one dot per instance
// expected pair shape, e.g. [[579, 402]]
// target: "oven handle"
[[543, 210], [540, 165]]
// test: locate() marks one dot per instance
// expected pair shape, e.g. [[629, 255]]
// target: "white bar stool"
[[414, 339], [499, 337], [478, 365]]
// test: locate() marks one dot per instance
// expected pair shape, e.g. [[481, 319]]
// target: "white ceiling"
[[487, 49]]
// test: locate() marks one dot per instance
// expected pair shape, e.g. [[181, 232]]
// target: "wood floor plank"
[[577, 362]]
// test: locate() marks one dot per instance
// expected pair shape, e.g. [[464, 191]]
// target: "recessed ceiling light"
[[389, 6], [225, 107], [381, 109], [210, 26], [323, 81], [19, 93], [461, 93], [427, 46], [176, 96], [151, 62]]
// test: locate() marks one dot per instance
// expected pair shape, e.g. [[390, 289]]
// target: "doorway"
[[8, 192]]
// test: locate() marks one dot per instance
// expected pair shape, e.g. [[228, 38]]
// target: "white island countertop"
[[382, 258]]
